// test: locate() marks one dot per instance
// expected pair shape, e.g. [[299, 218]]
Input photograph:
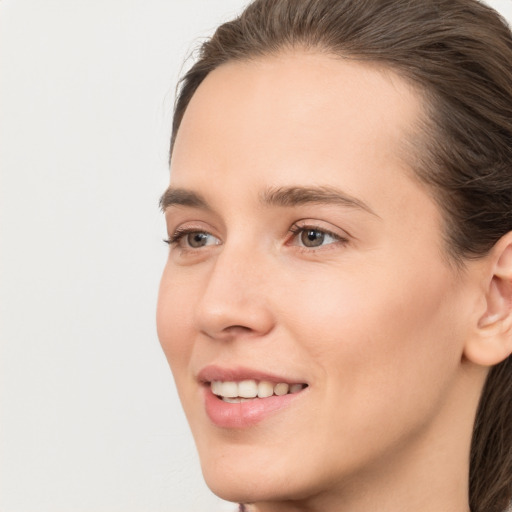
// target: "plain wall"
[[90, 420]]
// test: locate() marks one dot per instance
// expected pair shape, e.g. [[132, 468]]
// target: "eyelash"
[[180, 233], [295, 230]]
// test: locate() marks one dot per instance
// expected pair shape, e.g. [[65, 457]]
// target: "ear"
[[491, 339]]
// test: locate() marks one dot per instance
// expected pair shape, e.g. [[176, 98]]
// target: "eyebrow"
[[296, 196], [182, 197], [284, 197]]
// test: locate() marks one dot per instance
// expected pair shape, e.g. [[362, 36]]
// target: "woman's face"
[[304, 253]]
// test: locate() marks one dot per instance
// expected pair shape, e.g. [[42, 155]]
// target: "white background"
[[90, 420]]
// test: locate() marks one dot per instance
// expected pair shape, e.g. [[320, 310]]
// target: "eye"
[[313, 237], [197, 240], [192, 239]]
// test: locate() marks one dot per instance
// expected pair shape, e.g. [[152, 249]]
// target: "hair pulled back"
[[458, 53]]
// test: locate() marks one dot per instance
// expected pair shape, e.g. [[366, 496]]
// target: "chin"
[[240, 478], [255, 488], [238, 492], [241, 474]]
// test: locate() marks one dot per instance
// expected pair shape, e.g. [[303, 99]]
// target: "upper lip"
[[217, 373]]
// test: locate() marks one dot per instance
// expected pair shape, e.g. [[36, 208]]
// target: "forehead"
[[299, 119], [294, 103]]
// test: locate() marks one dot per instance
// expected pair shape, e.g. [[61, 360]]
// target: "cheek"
[[381, 343], [375, 313], [174, 321]]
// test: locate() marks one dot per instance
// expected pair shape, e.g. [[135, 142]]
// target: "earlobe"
[[491, 339]]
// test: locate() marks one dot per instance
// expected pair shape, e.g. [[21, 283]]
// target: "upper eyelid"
[[337, 239], [298, 229], [180, 233], [319, 225], [174, 224]]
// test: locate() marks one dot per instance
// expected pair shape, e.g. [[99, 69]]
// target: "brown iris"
[[197, 240], [312, 238]]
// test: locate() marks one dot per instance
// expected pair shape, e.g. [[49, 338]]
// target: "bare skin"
[[349, 291]]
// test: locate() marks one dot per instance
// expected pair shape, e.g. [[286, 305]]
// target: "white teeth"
[[231, 400], [265, 389], [235, 400], [236, 392], [281, 389], [248, 389], [216, 387], [229, 389]]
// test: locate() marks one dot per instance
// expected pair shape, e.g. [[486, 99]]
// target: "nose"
[[235, 302]]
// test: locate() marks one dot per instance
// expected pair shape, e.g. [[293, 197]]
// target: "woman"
[[337, 303]]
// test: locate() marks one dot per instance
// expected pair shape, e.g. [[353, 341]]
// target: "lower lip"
[[244, 414]]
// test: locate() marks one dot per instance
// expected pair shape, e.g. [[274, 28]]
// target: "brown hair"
[[459, 54]]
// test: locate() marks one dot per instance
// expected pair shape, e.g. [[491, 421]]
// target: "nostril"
[[238, 328], [230, 332]]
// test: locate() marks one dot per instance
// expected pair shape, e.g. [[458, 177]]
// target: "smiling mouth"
[[242, 391]]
